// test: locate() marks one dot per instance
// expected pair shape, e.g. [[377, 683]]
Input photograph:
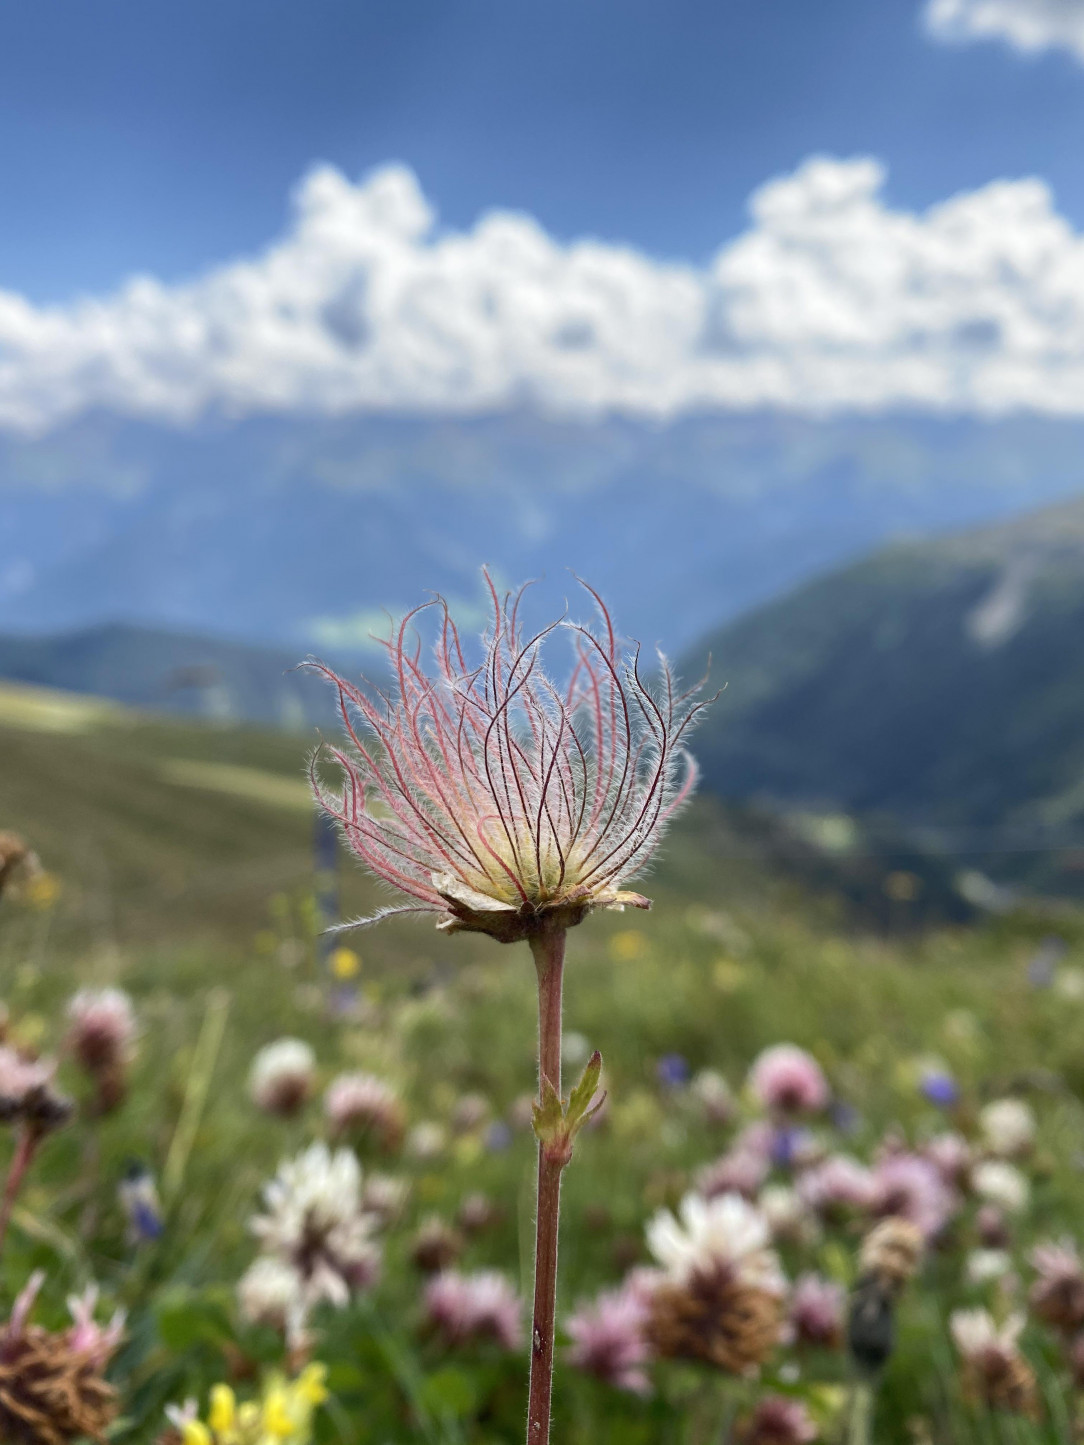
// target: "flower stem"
[[549, 956], [25, 1150]]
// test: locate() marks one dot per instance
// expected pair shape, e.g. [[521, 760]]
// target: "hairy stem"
[[25, 1150], [549, 957]]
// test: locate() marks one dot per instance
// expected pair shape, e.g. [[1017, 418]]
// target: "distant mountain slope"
[[294, 532], [172, 672], [941, 682]]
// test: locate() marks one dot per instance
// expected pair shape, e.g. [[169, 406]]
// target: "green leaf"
[[585, 1091], [549, 1116], [450, 1392]]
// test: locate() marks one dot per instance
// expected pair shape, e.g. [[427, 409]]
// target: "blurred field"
[[182, 860]]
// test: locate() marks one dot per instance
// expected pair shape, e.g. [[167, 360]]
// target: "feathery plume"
[[496, 800]]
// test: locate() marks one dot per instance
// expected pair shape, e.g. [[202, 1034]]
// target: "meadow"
[[178, 867]]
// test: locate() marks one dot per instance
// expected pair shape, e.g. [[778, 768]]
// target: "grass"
[[183, 856]]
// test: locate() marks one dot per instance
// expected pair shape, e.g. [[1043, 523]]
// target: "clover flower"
[[361, 1103], [465, 1308], [101, 1035], [838, 1185], [738, 1171], [609, 1336], [1008, 1128], [496, 800], [281, 1077], [908, 1186], [776, 1420], [314, 1223], [436, 1245], [816, 1312], [52, 1387], [995, 1373], [721, 1292], [27, 1094], [1001, 1184], [787, 1080], [102, 1027], [1057, 1296]]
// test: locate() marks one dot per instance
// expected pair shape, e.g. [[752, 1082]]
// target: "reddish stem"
[[25, 1150], [549, 957]]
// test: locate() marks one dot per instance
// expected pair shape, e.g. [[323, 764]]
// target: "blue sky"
[[165, 136], [583, 206]]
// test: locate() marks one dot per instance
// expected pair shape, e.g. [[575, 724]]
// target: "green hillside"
[[183, 868], [940, 683]]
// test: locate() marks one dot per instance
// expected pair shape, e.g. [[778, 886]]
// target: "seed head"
[[52, 1391], [497, 800]]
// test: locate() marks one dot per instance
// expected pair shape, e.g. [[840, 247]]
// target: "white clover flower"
[[1008, 1127], [314, 1221], [271, 1292], [281, 1077], [724, 1231], [1002, 1184], [986, 1265], [976, 1331]]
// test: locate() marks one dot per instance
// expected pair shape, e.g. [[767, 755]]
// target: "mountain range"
[[297, 533]]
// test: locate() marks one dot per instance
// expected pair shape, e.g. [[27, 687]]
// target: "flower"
[[838, 1185], [788, 1216], [995, 1373], [609, 1337], [426, 1140], [436, 1245], [383, 1196], [1008, 1128], [984, 1265], [102, 1028], [18, 862], [495, 800], [777, 1421], [892, 1251], [281, 1078], [672, 1071], [816, 1312], [137, 1194], [1001, 1184], [52, 1387], [101, 1035], [787, 1080], [712, 1092], [939, 1087], [908, 1186], [726, 1230], [282, 1415], [1057, 1296], [272, 1292], [738, 1171], [720, 1296], [314, 1222], [356, 1103], [27, 1093], [463, 1308], [950, 1155]]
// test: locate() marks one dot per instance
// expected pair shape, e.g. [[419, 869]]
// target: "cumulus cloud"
[[1027, 25], [830, 300]]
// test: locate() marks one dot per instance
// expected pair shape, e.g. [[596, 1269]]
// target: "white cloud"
[[829, 301], [1028, 25]]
